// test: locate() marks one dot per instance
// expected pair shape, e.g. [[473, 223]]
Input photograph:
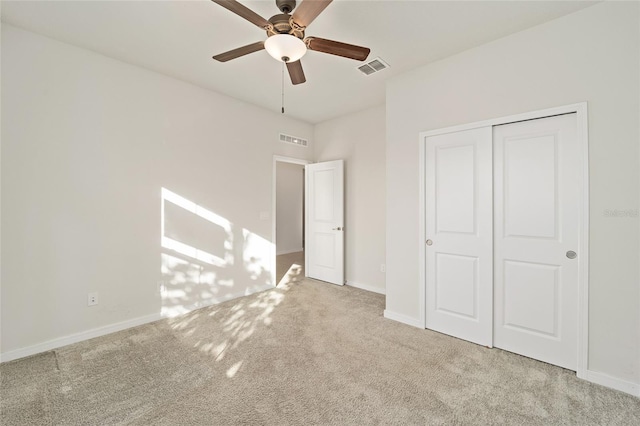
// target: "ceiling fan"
[[286, 40]]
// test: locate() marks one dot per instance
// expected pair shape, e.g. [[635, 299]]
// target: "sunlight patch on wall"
[[188, 236], [206, 259], [257, 255], [187, 286]]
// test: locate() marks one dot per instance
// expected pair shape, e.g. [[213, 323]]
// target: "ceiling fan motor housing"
[[283, 24]]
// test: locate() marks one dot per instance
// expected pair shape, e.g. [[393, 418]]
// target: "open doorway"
[[288, 219]]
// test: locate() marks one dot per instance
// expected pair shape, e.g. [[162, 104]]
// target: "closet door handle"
[[429, 242], [572, 254]]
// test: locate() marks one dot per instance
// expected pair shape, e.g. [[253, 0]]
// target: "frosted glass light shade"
[[285, 46]]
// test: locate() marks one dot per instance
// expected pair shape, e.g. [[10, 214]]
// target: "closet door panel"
[[458, 183], [536, 212]]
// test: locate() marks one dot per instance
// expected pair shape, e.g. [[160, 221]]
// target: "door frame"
[[580, 109], [278, 159]]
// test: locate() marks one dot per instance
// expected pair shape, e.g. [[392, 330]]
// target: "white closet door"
[[537, 188], [459, 232]]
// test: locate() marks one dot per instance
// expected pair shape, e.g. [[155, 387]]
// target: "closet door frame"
[[580, 109]]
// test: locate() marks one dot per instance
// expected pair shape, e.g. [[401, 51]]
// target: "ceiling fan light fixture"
[[285, 47]]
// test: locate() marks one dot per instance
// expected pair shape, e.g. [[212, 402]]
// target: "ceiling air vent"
[[373, 66], [293, 140]]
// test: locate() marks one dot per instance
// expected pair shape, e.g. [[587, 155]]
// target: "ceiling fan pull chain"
[[283, 87]]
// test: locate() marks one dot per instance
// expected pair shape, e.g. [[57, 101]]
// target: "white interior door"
[[459, 281], [537, 231], [324, 242]]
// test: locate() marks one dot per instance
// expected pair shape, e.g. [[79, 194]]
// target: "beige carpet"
[[304, 353], [290, 265]]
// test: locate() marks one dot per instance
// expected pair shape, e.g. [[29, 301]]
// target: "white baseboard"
[[112, 328], [77, 337], [403, 319], [366, 287], [287, 251], [613, 382]]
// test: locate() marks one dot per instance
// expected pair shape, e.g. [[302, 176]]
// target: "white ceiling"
[[178, 38]]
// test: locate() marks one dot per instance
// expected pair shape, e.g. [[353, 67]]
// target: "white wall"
[[0, 190], [593, 56], [289, 199], [88, 144], [359, 139]]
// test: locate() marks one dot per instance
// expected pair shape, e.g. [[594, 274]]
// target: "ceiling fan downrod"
[[286, 6]]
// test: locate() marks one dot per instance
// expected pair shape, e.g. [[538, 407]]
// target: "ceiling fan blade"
[[244, 12], [309, 10], [337, 48], [295, 72], [240, 51]]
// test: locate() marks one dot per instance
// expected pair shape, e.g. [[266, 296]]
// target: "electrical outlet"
[[383, 267], [92, 299]]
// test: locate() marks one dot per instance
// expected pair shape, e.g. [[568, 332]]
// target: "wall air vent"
[[293, 140], [373, 66]]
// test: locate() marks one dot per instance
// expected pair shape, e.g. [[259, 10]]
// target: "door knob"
[[429, 242], [339, 228], [571, 254]]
